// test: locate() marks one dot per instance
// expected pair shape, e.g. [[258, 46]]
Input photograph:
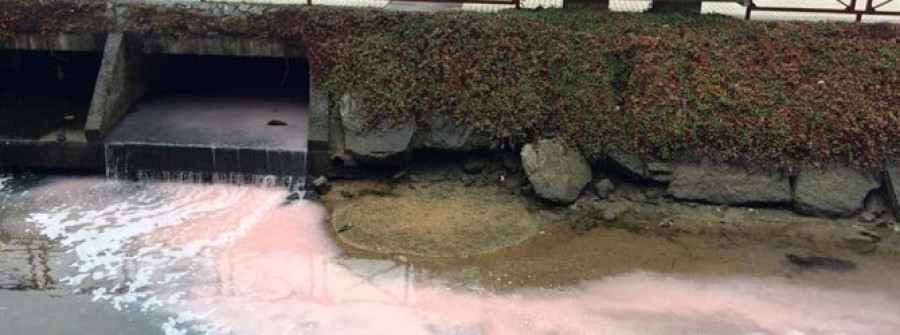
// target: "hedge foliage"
[[17, 16], [665, 86]]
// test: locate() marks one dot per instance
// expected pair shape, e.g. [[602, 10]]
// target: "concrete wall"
[[52, 155], [319, 133], [220, 46], [120, 83], [55, 42]]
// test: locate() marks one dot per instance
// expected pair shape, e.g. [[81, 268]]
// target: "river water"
[[105, 257]]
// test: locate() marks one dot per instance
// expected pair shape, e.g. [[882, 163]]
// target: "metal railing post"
[[749, 4]]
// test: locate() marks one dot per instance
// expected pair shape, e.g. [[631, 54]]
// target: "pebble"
[[400, 175], [345, 227], [666, 223], [604, 188], [294, 196], [637, 197], [609, 215], [867, 217], [550, 215], [348, 193], [870, 234], [861, 238], [321, 185], [653, 194]]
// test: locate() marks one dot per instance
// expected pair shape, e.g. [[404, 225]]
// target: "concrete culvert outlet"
[[46, 94], [216, 115]]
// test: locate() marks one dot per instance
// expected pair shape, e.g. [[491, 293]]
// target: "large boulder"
[[557, 173], [835, 192], [385, 143], [728, 185]]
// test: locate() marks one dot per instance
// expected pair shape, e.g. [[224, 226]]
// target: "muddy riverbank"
[[581, 242]]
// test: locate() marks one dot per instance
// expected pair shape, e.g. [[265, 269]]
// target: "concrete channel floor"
[[246, 136], [220, 122], [37, 312]]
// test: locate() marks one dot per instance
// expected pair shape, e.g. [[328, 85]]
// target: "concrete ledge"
[[71, 156], [54, 42], [220, 46], [129, 158]]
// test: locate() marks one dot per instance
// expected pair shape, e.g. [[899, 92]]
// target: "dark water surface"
[[86, 256]]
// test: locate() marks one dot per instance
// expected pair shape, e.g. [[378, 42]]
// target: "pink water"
[[225, 259]]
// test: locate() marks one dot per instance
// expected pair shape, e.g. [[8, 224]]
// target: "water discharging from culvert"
[[210, 139], [225, 259], [198, 123]]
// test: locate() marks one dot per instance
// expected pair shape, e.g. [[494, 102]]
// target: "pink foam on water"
[[281, 274], [285, 270]]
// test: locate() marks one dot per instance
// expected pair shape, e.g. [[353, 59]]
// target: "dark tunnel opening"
[[215, 116], [228, 76], [42, 92]]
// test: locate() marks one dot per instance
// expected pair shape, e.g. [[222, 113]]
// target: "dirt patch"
[[430, 219], [572, 244]]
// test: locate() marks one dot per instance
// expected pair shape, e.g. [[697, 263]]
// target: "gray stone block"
[[729, 185], [837, 192]]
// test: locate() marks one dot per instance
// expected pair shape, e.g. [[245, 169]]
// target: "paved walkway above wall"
[[723, 8]]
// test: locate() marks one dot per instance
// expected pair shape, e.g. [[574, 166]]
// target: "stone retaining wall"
[[826, 192]]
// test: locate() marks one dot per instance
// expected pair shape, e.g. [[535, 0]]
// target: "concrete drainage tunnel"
[[201, 110]]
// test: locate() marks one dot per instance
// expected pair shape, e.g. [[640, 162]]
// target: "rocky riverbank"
[[485, 210], [558, 172]]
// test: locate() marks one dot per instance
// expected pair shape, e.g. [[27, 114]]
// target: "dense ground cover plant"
[[665, 86]]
